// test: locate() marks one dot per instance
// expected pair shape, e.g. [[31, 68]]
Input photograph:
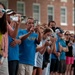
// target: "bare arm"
[[15, 42], [11, 32], [26, 35], [65, 49], [39, 35], [41, 49]]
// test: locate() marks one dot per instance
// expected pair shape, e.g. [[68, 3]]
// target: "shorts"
[[54, 65], [38, 60], [62, 66], [25, 69], [69, 60], [44, 65], [73, 65], [4, 67]]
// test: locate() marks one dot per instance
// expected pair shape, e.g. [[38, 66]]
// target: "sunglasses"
[[67, 34], [30, 22], [72, 36], [2, 10]]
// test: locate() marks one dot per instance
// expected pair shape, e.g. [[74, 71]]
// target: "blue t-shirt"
[[28, 49], [63, 44], [13, 52]]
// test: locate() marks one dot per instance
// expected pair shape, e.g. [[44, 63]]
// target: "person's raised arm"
[[23, 37], [39, 34], [13, 32]]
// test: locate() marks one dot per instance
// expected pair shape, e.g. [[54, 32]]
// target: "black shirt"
[[70, 48]]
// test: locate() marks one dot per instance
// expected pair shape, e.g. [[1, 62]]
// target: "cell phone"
[[48, 38], [35, 23], [14, 18]]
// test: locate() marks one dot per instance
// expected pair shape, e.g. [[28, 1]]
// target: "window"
[[73, 16], [63, 15], [63, 0], [36, 12], [21, 7], [5, 2], [73, 1], [50, 13]]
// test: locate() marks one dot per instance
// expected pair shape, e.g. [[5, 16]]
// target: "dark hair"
[[30, 18], [47, 30], [51, 22], [3, 23], [65, 32]]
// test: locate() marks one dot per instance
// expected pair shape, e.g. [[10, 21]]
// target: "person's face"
[[72, 37], [67, 35], [30, 23], [60, 35], [1, 13], [48, 34], [52, 24]]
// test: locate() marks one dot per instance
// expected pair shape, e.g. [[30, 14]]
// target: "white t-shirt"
[[39, 56]]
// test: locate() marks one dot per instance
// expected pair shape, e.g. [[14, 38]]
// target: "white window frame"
[[63, 24], [73, 17], [21, 2], [49, 13], [5, 1], [73, 1], [34, 4], [64, 0]]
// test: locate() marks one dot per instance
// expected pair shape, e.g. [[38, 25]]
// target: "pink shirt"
[[5, 40]]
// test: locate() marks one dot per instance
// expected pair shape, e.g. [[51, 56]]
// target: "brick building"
[[61, 11]]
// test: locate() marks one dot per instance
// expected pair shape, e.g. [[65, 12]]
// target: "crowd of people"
[[28, 51]]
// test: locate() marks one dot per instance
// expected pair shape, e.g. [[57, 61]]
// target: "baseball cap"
[[59, 30], [10, 11]]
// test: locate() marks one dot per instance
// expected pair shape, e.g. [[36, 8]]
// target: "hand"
[[1, 60], [12, 23], [4, 54], [37, 28], [17, 23], [32, 29], [69, 44], [15, 42], [47, 43], [1, 63], [58, 54]]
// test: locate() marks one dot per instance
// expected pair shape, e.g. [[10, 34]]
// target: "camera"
[[14, 18], [48, 39]]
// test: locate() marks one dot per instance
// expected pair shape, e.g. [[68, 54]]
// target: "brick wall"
[[43, 6]]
